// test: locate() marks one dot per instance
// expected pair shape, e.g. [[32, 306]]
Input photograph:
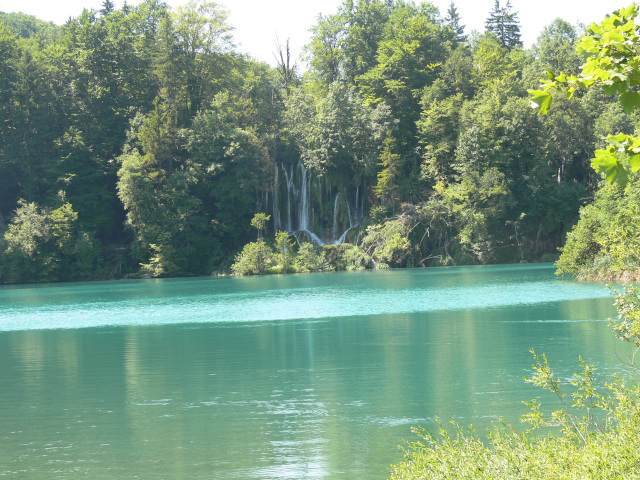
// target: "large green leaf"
[[630, 101], [634, 162], [540, 99], [608, 163]]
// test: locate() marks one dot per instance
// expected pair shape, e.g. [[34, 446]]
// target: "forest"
[[136, 142]]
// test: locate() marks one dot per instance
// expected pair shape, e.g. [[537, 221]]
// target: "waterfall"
[[357, 208], [343, 237], [349, 213], [302, 207], [304, 211], [289, 183], [276, 202], [334, 230]]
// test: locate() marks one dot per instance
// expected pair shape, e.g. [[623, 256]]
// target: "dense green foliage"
[[160, 142], [593, 432], [605, 242]]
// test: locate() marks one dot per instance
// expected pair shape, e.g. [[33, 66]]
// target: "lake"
[[315, 376]]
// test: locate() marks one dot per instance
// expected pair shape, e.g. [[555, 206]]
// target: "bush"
[[593, 435], [605, 243], [255, 259], [310, 259]]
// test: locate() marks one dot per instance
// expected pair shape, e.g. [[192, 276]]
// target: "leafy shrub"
[[593, 434], [310, 258], [387, 243], [255, 259], [605, 243]]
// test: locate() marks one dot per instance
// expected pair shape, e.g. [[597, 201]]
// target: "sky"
[[257, 22]]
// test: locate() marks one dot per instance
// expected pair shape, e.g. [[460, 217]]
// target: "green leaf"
[[621, 77], [608, 163], [605, 162], [612, 88], [634, 78], [587, 44], [630, 101], [634, 162], [618, 139], [629, 26], [541, 99], [613, 36]]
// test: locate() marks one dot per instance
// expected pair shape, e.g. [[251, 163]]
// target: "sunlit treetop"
[[612, 61]]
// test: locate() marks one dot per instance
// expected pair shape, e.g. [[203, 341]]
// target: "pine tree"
[[512, 27], [452, 19], [107, 7], [505, 25]]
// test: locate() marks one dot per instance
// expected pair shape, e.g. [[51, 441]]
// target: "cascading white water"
[[349, 214], [276, 201], [303, 221], [357, 208], [334, 230], [304, 214], [297, 183], [289, 186]]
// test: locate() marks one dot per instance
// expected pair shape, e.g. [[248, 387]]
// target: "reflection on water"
[[317, 376]]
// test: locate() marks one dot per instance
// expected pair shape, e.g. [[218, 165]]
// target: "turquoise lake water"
[[283, 377]]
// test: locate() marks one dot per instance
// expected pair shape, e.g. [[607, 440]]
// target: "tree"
[[203, 35], [555, 48], [324, 52], [387, 187], [613, 55], [259, 222], [255, 259], [284, 247], [604, 243], [409, 57], [107, 7], [285, 69], [492, 61], [452, 19], [310, 258], [438, 135], [365, 25], [232, 162], [40, 243], [386, 245], [339, 132], [504, 24]]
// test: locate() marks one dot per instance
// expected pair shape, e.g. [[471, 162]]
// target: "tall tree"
[[286, 70], [504, 24], [107, 7], [325, 51], [365, 24], [452, 20], [414, 47]]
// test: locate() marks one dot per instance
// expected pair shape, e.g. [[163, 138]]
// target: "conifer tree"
[[107, 7], [505, 25], [452, 19]]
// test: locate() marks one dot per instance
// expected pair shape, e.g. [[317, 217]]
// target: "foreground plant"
[[591, 434]]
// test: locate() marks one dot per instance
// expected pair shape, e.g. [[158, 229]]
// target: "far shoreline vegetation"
[[136, 142]]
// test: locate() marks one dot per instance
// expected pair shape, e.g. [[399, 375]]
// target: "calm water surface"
[[283, 377]]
